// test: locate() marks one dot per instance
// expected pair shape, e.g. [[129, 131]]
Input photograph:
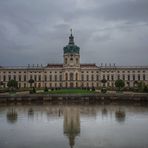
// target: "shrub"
[[12, 85], [103, 90], [45, 89], [119, 84]]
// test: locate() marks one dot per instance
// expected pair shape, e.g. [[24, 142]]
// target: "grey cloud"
[[35, 31]]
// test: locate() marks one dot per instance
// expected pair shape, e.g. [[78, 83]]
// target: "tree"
[[12, 84], [1, 83], [119, 84], [31, 81], [140, 86], [103, 89], [45, 89], [12, 116], [103, 81]]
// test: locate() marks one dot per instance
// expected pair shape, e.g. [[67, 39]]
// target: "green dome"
[[71, 49]]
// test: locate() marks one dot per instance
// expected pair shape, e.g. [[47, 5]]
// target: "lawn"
[[71, 91]]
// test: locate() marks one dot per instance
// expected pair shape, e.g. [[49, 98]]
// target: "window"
[[112, 77], [92, 77], [45, 77], [65, 60], [76, 76], [39, 79], [9, 77], [138, 77], [24, 77], [14, 77], [24, 85], [35, 78], [50, 77], [108, 77], [55, 77], [71, 76], [77, 61], [97, 78], [19, 77], [66, 76], [60, 77], [133, 77], [144, 77], [4, 78], [82, 77], [60, 84], [123, 77], [87, 77], [128, 77], [30, 76]]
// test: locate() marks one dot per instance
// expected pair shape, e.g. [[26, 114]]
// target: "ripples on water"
[[74, 125]]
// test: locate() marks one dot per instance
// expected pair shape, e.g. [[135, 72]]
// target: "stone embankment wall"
[[75, 97]]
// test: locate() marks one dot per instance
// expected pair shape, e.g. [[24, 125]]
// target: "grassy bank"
[[70, 91]]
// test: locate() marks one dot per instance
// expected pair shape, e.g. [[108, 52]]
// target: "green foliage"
[[12, 84], [103, 90], [31, 81], [33, 91], [145, 89], [71, 91], [45, 89], [1, 83], [119, 84], [103, 81], [140, 86]]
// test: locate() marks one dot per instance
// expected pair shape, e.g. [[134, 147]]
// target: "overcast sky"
[[107, 31]]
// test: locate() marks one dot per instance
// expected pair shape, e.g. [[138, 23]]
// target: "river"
[[74, 125]]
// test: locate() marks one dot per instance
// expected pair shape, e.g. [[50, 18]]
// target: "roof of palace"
[[55, 65], [88, 65]]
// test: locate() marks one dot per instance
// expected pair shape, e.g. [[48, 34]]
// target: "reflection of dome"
[[30, 112], [120, 116], [71, 47], [71, 124]]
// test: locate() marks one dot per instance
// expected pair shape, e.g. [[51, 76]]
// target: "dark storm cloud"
[[35, 31]]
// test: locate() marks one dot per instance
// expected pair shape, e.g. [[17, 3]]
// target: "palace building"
[[72, 74]]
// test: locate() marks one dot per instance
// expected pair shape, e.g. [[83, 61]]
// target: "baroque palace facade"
[[72, 74]]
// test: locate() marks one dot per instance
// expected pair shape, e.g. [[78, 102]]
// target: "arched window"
[[77, 61], [76, 76], [66, 85], [76, 84], [65, 60], [71, 76], [66, 77]]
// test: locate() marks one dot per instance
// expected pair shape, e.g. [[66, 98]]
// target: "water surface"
[[74, 125]]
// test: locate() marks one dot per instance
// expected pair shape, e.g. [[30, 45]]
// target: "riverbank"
[[75, 97]]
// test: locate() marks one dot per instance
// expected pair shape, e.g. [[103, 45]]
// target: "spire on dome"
[[71, 38]]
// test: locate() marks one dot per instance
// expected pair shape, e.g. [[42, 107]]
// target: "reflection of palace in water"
[[71, 115], [71, 123]]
